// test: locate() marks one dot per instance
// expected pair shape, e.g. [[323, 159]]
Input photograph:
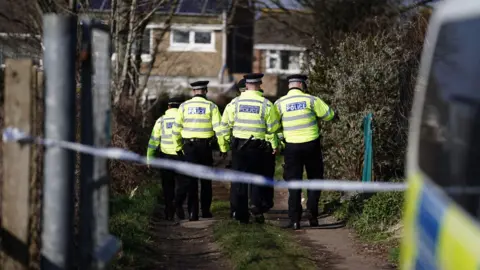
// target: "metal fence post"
[[85, 239], [59, 38], [368, 151], [105, 245]]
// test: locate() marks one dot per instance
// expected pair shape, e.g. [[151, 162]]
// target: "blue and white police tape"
[[204, 172]]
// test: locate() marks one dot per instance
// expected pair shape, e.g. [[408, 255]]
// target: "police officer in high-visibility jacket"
[[197, 121], [299, 114], [161, 144], [249, 118]]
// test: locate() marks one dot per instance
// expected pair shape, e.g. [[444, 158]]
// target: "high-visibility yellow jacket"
[[299, 114], [198, 118], [251, 114], [162, 135]]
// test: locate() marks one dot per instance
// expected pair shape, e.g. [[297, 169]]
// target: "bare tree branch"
[[157, 40], [149, 15]]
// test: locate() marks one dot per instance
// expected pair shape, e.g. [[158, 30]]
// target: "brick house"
[[204, 42], [279, 49]]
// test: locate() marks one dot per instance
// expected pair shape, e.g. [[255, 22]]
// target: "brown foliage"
[[128, 133]]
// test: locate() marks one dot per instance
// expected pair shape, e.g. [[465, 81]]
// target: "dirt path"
[[188, 245], [333, 246]]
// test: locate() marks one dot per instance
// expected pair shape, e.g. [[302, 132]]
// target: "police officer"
[[161, 139], [249, 118], [299, 114], [197, 121]]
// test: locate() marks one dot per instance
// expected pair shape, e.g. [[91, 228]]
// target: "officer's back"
[[299, 114], [197, 122], [250, 118]]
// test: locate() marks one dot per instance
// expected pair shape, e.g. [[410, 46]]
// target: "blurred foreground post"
[[60, 35], [16, 166], [97, 246], [105, 245]]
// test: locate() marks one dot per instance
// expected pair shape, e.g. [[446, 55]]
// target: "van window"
[[449, 150]]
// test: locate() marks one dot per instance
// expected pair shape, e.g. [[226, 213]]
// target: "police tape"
[[200, 171]]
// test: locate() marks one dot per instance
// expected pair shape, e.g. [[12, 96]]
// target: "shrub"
[[361, 74]]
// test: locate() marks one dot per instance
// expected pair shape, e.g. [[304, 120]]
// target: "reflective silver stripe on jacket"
[[197, 129], [252, 129], [313, 123]]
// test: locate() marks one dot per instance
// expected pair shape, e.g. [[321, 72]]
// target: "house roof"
[[184, 7], [284, 28]]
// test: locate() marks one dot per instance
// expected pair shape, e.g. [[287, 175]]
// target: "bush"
[[367, 68], [362, 74], [129, 131]]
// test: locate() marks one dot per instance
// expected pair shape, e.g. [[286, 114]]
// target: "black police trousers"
[[267, 192], [251, 159], [169, 178], [198, 151], [297, 156]]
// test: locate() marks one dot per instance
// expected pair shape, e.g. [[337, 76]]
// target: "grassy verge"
[[129, 220], [255, 246]]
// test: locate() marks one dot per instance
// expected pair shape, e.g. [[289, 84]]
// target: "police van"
[[442, 211]]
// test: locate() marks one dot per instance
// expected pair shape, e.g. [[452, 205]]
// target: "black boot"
[[168, 214], [312, 220], [193, 217], [180, 213], [257, 215], [296, 225]]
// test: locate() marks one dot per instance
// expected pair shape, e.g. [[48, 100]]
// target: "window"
[[202, 37], [181, 37], [192, 40], [284, 61], [147, 42]]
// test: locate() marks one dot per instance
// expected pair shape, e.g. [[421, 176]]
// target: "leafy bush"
[[362, 74], [366, 67]]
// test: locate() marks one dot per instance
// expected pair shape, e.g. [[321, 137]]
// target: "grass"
[[394, 254], [129, 221], [255, 246]]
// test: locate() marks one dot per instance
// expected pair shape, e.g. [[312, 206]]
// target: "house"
[[205, 41], [212, 40], [281, 42]]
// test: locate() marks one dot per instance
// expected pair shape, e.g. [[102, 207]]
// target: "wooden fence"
[[22, 167]]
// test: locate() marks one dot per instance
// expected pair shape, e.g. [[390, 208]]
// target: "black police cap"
[[297, 78], [241, 84], [199, 85], [253, 78], [175, 100]]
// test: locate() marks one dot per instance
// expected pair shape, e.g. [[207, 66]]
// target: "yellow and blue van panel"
[[438, 234]]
